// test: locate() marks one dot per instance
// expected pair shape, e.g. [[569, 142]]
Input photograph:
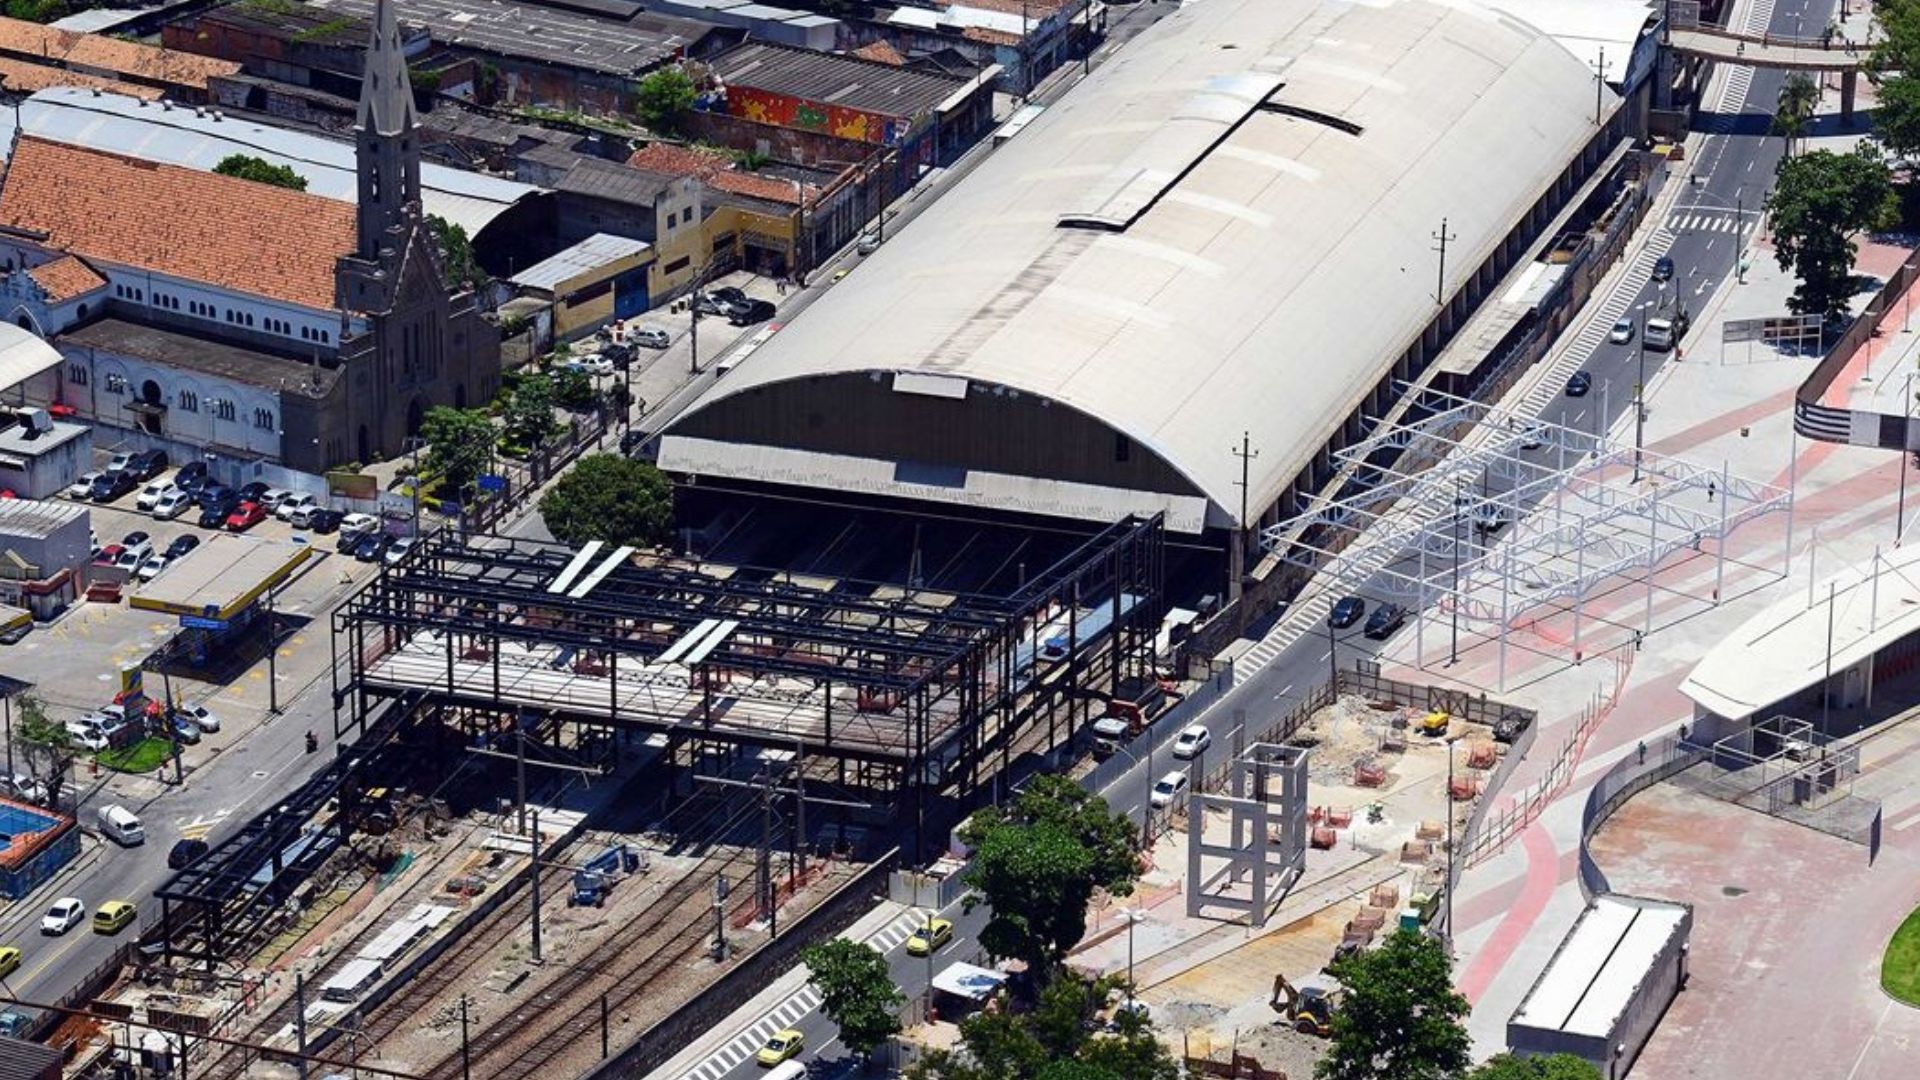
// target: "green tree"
[[1820, 201], [1549, 1067], [456, 254], [38, 11], [856, 992], [260, 171], [1056, 1040], [1037, 861], [1898, 50], [1799, 96], [528, 413], [611, 498], [1400, 1019], [46, 746], [663, 98], [1896, 116], [572, 388], [460, 443]]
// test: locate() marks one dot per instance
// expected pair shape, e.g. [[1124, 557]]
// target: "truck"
[[592, 882], [1130, 710]]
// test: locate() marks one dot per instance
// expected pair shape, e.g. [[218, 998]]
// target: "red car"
[[246, 516], [109, 555]]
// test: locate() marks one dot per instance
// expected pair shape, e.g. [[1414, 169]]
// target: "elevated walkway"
[[1770, 51]]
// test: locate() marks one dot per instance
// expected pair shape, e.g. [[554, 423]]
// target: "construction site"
[[576, 788]]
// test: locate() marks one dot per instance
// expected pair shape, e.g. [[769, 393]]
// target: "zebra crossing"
[[1682, 221], [1737, 80], [747, 1043]]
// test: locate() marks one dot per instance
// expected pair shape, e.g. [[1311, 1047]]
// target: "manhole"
[[1732, 890]]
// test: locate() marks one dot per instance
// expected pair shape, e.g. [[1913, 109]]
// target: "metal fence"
[[1648, 765]]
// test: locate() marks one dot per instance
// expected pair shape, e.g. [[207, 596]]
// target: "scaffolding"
[[893, 690], [1485, 522], [1265, 849]]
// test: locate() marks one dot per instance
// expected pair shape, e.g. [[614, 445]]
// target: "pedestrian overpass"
[[1707, 43]]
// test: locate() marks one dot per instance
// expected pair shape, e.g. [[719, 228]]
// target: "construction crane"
[[1308, 1007]]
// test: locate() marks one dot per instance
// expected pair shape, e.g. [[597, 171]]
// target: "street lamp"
[[1453, 651]]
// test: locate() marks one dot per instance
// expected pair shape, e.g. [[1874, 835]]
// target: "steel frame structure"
[[1482, 517], [914, 689]]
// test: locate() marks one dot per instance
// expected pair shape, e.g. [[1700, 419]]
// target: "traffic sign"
[[490, 482]]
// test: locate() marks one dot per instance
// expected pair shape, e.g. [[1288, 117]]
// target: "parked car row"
[[734, 305], [136, 556]]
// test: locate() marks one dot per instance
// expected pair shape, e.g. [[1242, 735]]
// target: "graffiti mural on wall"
[[763, 107]]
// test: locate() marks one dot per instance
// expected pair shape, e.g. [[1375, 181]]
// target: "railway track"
[[676, 924]]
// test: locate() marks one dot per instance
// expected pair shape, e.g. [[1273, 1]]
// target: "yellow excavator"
[[1310, 1006]]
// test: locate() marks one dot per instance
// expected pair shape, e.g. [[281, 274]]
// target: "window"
[[677, 265], [263, 419], [189, 401], [223, 409], [76, 375], [672, 219], [116, 384], [306, 334]]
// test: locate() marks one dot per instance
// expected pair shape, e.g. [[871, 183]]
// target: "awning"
[[968, 981], [23, 355]]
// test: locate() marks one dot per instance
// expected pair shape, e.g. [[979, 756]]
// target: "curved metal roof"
[[1229, 226]]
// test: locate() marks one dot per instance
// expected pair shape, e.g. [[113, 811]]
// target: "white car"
[[1622, 332], [358, 523], [200, 717], [65, 914], [1168, 789], [869, 243], [22, 786], [397, 551], [88, 738], [270, 502], [131, 559], [652, 337], [151, 495], [1191, 741], [592, 364], [120, 461], [151, 568], [299, 501], [172, 505], [79, 488]]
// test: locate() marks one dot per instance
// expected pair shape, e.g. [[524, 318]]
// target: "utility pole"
[[1900, 515], [1453, 652], [1442, 239], [466, 1061], [534, 849], [273, 649], [1333, 656], [1450, 879], [1826, 680], [1599, 85], [300, 1022], [720, 918], [1246, 453], [1237, 547]]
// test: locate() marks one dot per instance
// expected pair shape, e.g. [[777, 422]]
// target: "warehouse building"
[[1230, 231], [1607, 985]]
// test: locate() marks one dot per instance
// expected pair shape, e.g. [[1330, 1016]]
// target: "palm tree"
[[1799, 95]]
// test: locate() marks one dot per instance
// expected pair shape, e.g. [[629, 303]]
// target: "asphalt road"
[[1736, 165]]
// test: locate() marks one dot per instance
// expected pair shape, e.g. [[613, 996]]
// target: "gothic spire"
[[386, 96]]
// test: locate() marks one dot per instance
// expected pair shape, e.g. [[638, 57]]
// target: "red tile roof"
[[717, 170], [99, 52], [200, 226], [22, 77], [65, 278]]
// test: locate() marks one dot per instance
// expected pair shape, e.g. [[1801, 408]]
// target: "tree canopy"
[[1037, 860], [1547, 1067], [611, 498], [663, 98], [1400, 1018], [46, 746], [856, 992], [260, 170], [528, 412], [1820, 201], [456, 254], [460, 443], [1056, 1040]]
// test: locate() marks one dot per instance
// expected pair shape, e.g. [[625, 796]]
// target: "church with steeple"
[[236, 321]]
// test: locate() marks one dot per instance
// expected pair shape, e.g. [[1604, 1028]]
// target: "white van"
[[786, 1070], [120, 823]]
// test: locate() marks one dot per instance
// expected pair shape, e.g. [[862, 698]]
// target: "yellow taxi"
[[783, 1046], [9, 960], [113, 917], [929, 936]]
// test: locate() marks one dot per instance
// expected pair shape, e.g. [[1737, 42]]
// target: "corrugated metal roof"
[[178, 135], [847, 81], [590, 254], [22, 1060], [23, 355], [1274, 283]]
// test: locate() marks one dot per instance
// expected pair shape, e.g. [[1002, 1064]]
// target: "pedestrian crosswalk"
[[1684, 221], [1580, 350], [744, 1045]]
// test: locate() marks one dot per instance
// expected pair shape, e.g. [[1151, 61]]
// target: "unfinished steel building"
[[885, 698]]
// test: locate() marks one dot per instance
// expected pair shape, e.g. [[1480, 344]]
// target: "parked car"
[[1346, 611], [202, 717], [271, 499], [1622, 332], [148, 464], [398, 551], [120, 461], [1191, 741], [191, 477], [294, 502], [868, 243], [754, 311], [186, 853], [592, 364], [182, 544], [25, 788], [186, 730], [245, 516], [65, 914], [131, 559], [212, 492], [89, 739], [1385, 620], [254, 491], [172, 504], [323, 520], [213, 515], [151, 568], [13, 635], [83, 487], [372, 546], [108, 555], [650, 337], [1579, 384], [110, 486], [1168, 789]]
